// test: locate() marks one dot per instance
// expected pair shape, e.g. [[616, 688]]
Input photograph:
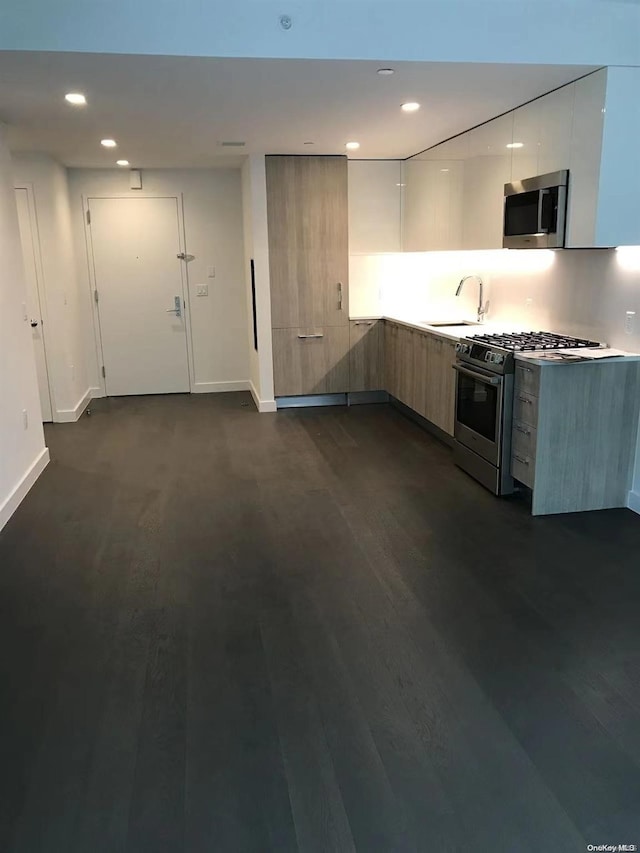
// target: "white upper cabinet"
[[454, 192], [432, 208], [586, 150], [554, 135], [374, 206], [542, 135], [486, 170]]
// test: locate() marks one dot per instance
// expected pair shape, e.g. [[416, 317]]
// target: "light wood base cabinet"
[[311, 361], [366, 355], [419, 373], [574, 434]]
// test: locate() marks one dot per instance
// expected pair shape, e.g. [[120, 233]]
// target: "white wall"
[[600, 32], [22, 452], [65, 300], [213, 230], [256, 246]]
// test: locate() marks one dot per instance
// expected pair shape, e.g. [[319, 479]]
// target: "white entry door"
[[141, 302], [31, 255]]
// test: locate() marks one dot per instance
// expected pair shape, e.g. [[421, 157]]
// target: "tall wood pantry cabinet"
[[307, 214]]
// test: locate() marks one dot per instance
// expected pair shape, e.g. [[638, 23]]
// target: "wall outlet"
[[25, 419], [630, 322], [202, 289], [211, 272]]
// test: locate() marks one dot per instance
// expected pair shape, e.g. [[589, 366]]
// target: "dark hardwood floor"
[[224, 631]]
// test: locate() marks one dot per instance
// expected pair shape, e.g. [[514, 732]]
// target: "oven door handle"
[[487, 378]]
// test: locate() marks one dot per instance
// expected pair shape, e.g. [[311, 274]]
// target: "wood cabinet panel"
[[307, 209], [391, 358], [405, 367], [441, 383], [311, 365], [366, 355], [421, 367]]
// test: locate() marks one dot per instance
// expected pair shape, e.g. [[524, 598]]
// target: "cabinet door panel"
[[286, 251], [391, 358], [486, 171], [308, 241], [556, 116], [311, 365], [366, 355], [441, 385], [421, 374], [406, 366]]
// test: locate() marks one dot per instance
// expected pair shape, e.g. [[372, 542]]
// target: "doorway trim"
[[101, 389], [40, 287]]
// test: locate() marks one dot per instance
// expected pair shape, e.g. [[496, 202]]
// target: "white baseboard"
[[96, 392], [217, 387], [634, 501], [15, 498], [262, 405], [70, 416]]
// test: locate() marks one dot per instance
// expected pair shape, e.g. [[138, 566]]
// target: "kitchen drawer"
[[311, 360], [523, 439], [523, 468], [525, 407], [527, 378]]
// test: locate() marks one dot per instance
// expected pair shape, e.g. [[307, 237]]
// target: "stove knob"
[[488, 356], [499, 359]]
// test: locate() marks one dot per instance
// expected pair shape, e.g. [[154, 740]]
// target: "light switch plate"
[[211, 272], [202, 289]]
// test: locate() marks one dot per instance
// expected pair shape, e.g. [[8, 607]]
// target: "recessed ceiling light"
[[410, 107], [515, 145], [76, 98], [444, 170], [108, 143], [352, 146], [385, 72], [122, 162]]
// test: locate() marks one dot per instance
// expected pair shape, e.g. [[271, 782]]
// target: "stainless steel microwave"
[[535, 211]]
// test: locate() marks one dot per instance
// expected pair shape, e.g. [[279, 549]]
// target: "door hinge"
[[95, 296], [104, 372], [88, 217]]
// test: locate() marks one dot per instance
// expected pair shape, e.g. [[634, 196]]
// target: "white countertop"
[[458, 332]]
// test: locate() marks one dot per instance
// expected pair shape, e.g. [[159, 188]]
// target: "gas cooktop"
[[533, 341]]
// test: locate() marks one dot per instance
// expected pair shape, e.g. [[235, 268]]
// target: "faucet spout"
[[482, 306]]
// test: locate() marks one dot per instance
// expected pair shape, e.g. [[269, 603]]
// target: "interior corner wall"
[[23, 454], [256, 242], [211, 201], [65, 299]]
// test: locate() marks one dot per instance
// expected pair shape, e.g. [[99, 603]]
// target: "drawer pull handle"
[[520, 459], [363, 323], [304, 337], [339, 296], [525, 400], [523, 430], [525, 369]]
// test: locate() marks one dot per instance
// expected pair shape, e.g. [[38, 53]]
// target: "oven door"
[[479, 403]]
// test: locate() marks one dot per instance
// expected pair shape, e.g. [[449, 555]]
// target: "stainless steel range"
[[484, 400]]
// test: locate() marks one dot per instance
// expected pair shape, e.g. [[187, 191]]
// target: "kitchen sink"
[[442, 323]]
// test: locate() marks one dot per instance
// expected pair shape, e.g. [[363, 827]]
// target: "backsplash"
[[579, 292]]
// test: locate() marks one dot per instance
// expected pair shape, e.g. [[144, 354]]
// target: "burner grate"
[[533, 341]]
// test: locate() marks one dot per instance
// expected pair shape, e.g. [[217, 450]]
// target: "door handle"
[[34, 323], [178, 307], [339, 296]]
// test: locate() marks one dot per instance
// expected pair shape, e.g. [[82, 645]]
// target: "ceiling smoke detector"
[[286, 22]]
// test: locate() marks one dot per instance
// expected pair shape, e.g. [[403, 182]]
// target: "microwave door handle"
[[541, 228]]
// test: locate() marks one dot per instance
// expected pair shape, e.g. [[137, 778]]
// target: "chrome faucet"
[[482, 308]]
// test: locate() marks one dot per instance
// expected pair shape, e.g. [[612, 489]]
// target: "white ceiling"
[[172, 112]]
